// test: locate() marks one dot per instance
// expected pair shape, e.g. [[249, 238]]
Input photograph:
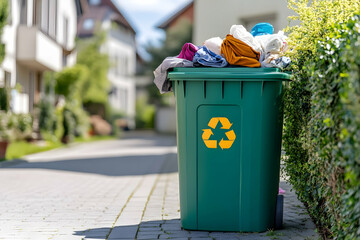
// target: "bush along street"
[[335, 127], [13, 127], [322, 115]]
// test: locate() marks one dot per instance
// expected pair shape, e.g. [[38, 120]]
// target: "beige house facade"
[[213, 18]]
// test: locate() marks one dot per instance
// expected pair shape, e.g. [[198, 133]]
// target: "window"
[[123, 99], [64, 60], [37, 13], [23, 12], [66, 29], [7, 79], [118, 65], [126, 66], [44, 19], [95, 2], [88, 24], [45, 16], [9, 19], [250, 22], [52, 18]]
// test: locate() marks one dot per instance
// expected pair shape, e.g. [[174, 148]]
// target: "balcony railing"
[[37, 50]]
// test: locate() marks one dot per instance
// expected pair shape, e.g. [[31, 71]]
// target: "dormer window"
[[88, 24], [94, 2]]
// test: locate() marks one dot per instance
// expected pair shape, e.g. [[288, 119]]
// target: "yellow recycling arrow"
[[231, 135], [213, 122], [210, 143], [206, 134], [224, 144], [225, 123]]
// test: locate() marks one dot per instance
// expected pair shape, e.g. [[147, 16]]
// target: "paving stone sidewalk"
[[121, 189]]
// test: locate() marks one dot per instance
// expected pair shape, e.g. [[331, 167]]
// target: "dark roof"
[[165, 24], [106, 9], [98, 14], [81, 6], [122, 20]]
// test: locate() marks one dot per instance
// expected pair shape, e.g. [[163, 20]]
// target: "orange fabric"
[[239, 53]]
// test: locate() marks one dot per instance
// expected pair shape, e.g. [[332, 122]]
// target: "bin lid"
[[228, 74]]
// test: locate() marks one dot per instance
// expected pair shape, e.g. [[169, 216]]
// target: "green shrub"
[[15, 127], [334, 127], [145, 114], [48, 82], [6, 126], [96, 108], [58, 128], [69, 124], [81, 118], [47, 116], [4, 99], [96, 84], [314, 120], [115, 118], [3, 20], [54, 125], [70, 80], [23, 128]]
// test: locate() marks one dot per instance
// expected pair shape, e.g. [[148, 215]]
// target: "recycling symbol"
[[224, 144]]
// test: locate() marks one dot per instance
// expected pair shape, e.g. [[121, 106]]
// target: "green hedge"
[[322, 125], [335, 129]]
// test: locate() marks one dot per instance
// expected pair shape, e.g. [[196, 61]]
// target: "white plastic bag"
[[214, 44], [239, 32]]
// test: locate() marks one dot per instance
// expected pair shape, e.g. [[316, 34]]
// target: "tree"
[[3, 20], [176, 37], [74, 120], [70, 81], [96, 85], [4, 93]]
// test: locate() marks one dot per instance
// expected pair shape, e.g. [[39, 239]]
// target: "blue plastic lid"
[[262, 29]]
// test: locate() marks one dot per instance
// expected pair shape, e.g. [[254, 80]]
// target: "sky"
[[144, 15]]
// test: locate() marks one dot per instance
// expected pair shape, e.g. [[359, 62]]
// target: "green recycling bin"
[[229, 130]]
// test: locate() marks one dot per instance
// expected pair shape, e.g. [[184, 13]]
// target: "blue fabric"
[[262, 29], [205, 57]]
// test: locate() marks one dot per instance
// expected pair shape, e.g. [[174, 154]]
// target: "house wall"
[[214, 18], [27, 58], [66, 11], [9, 39], [121, 49]]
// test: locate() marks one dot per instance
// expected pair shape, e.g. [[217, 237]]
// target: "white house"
[[120, 45], [213, 18], [40, 36]]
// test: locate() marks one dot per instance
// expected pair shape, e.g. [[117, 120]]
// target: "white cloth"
[[273, 46], [239, 32], [161, 78], [274, 43], [214, 44]]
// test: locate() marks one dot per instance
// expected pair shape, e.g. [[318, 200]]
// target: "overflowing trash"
[[207, 58], [240, 48]]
